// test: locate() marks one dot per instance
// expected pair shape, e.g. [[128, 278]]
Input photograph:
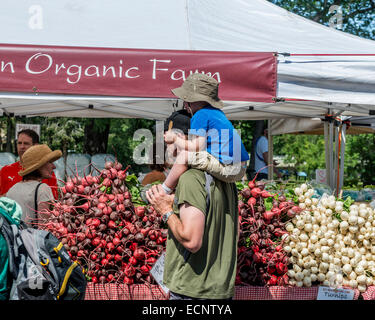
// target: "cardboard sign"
[[23, 126], [321, 175], [157, 272], [327, 293]]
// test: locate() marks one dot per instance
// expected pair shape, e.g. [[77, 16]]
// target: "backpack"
[[39, 266]]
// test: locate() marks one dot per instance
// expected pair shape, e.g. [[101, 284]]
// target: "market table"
[[154, 292]]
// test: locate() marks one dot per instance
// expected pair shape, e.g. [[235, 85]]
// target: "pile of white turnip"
[[101, 228], [331, 242]]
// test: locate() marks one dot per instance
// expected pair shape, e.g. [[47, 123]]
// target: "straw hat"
[[36, 157], [199, 87]]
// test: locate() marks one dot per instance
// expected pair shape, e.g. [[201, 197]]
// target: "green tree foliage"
[[8, 125], [96, 135], [357, 16], [121, 142], [246, 129], [65, 134], [305, 152], [360, 159]]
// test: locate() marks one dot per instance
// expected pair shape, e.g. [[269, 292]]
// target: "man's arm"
[[265, 158], [189, 228]]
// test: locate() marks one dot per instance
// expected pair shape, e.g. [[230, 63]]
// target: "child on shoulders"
[[214, 145]]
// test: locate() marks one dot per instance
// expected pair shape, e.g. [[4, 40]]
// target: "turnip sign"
[[243, 76]]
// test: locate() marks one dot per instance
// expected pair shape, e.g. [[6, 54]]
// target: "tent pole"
[[327, 150], [270, 150], [342, 156], [336, 160], [331, 156]]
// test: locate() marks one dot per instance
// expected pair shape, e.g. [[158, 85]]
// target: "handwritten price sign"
[[157, 272], [321, 175]]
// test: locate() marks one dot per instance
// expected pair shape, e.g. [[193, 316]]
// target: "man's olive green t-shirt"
[[210, 272]]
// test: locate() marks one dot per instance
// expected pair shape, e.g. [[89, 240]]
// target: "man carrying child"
[[202, 214]]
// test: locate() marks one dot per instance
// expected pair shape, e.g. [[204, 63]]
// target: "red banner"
[[243, 76]]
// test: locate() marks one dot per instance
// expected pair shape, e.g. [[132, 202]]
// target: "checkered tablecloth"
[[154, 292], [111, 291], [369, 294], [275, 293], [278, 293]]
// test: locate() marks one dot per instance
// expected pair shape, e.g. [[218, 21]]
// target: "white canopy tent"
[[324, 65], [320, 70], [315, 126]]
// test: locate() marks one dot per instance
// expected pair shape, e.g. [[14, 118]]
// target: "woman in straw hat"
[[32, 195]]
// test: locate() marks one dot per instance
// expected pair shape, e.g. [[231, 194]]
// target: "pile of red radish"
[[100, 227], [261, 258]]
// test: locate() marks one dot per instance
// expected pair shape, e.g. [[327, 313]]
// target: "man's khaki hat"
[[199, 87], [36, 157]]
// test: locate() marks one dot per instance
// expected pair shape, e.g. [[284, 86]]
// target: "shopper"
[[261, 157], [9, 174], [201, 249], [158, 168], [215, 147], [31, 193], [11, 211]]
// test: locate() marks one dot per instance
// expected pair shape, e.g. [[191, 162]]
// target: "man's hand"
[[161, 201]]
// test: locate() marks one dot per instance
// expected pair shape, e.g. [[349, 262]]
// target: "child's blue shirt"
[[223, 141]]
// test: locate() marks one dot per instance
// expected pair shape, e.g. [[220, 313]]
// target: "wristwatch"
[[166, 216]]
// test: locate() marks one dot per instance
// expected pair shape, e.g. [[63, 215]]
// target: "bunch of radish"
[[100, 227], [261, 258], [331, 242]]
